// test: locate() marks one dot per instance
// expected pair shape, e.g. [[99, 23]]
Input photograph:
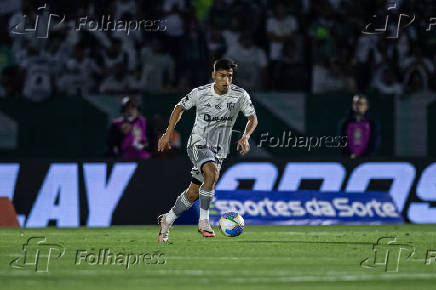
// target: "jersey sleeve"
[[247, 106], [189, 101]]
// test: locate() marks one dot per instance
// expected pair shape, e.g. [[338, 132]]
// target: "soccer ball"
[[231, 224]]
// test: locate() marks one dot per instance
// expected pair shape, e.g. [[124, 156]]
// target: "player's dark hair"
[[224, 64]]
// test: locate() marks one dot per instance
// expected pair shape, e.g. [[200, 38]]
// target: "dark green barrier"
[[71, 127], [62, 127], [431, 129]]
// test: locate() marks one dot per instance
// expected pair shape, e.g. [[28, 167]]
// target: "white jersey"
[[216, 115]]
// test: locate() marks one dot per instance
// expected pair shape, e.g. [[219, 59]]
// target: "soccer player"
[[217, 107]]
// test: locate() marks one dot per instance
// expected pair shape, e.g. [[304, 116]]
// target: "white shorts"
[[200, 154]]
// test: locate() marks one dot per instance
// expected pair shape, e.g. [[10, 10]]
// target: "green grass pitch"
[[263, 257]]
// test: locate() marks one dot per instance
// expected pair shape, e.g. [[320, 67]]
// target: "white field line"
[[253, 276]]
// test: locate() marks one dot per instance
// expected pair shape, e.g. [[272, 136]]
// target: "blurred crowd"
[[300, 45]]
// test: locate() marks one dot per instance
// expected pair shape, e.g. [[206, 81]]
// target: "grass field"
[[263, 257]]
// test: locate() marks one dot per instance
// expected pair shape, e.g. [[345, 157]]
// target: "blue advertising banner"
[[306, 207], [109, 192]]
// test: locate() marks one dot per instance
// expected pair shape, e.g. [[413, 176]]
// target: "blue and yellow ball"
[[231, 224]]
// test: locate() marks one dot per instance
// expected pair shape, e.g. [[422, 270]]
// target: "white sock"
[[170, 217], [204, 214]]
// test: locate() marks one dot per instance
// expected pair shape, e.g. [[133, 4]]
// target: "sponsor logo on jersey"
[[209, 118]]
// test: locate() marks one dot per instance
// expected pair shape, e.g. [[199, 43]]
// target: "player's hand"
[[164, 143], [243, 145]]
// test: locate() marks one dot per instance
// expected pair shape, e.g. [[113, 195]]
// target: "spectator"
[[168, 5], [386, 80], [9, 6], [158, 71], [119, 82], [195, 55], [361, 130], [130, 136], [252, 60], [290, 73], [323, 39], [127, 46], [417, 69], [219, 15], [115, 56], [175, 27], [279, 28], [57, 51], [216, 43], [329, 76], [123, 6], [79, 74], [367, 56], [326, 27], [231, 34], [38, 82]]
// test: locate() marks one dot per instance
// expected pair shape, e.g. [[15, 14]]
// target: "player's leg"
[[192, 193], [206, 193], [207, 189], [183, 202], [205, 173]]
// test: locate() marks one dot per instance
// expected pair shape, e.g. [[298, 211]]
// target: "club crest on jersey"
[[218, 107], [230, 106]]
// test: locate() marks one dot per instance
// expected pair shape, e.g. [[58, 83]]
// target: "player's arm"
[[243, 144], [165, 141]]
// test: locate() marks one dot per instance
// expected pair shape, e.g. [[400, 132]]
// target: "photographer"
[[130, 135]]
